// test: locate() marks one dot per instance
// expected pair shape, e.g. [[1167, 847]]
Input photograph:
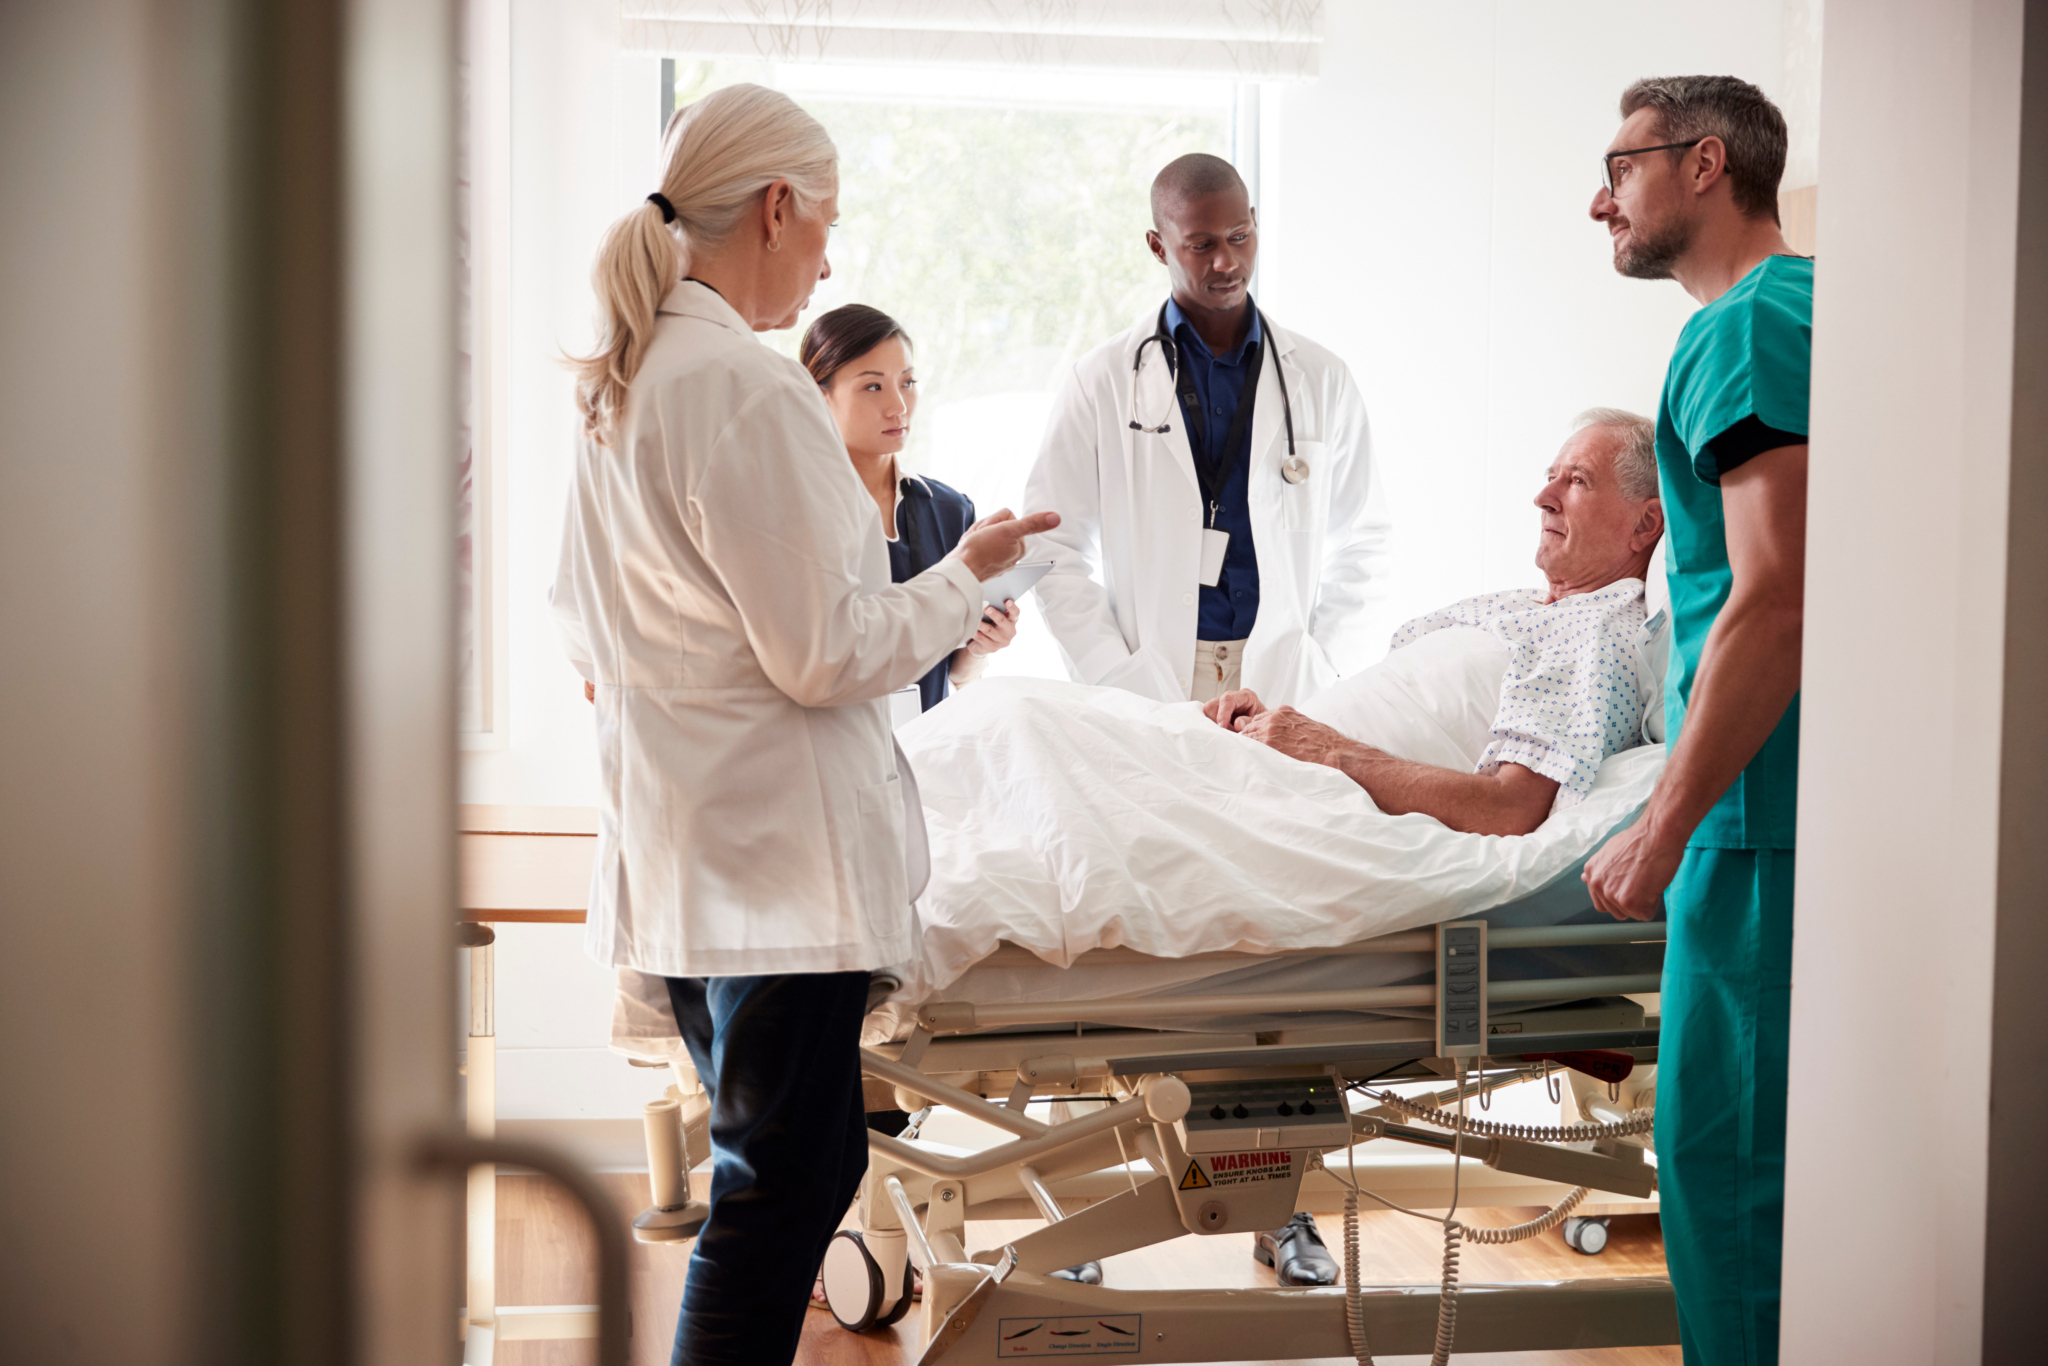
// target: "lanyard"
[[1212, 475]]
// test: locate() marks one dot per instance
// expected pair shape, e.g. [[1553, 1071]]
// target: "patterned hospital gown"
[[1575, 688]]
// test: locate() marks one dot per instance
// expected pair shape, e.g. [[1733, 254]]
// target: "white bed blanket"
[[1066, 818]]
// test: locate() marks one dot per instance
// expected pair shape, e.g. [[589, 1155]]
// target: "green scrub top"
[[1737, 387]]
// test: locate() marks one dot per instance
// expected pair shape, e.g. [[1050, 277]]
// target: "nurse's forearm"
[[1748, 675], [1749, 665]]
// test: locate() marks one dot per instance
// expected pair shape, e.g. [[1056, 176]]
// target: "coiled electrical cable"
[[1639, 1122], [1447, 1297], [1354, 1297], [1456, 1232]]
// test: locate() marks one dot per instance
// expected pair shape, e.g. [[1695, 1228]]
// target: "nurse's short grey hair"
[[1723, 107], [1635, 448]]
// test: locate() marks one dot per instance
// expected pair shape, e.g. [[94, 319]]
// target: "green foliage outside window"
[[1008, 240]]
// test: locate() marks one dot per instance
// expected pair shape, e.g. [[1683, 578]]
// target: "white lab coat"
[[725, 584], [1121, 597]]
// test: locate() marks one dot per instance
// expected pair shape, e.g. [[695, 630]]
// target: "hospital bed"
[[1217, 1093]]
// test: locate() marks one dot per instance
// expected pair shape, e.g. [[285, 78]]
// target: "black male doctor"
[[1222, 524]]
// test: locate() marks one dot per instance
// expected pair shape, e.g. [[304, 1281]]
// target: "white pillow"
[[1655, 642], [1432, 702], [1656, 585]]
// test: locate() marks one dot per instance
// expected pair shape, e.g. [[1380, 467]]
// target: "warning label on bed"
[[1237, 1169], [1086, 1336]]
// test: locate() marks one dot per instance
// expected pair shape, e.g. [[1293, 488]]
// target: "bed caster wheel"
[[853, 1285], [1587, 1236]]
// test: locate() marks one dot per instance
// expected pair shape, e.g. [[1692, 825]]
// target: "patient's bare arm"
[[1511, 800]]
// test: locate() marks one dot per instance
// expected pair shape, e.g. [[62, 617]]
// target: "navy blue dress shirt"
[[930, 520], [1227, 610]]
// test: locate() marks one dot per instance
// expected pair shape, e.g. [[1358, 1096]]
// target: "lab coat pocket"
[[1299, 504], [882, 886]]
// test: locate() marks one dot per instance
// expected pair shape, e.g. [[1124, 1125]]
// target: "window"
[[1000, 217], [481, 313]]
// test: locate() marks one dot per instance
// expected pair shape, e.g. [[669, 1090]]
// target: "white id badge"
[[1214, 543]]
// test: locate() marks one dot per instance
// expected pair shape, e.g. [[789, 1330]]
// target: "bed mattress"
[[1064, 819]]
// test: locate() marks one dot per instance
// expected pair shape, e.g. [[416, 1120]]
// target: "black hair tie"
[[660, 201]]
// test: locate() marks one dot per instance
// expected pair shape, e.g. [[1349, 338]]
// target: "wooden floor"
[[545, 1257]]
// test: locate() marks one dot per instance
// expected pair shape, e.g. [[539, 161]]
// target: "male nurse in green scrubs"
[[1691, 194]]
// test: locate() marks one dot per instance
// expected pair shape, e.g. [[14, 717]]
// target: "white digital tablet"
[[1014, 582]]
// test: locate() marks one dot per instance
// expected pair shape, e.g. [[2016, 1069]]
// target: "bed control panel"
[[1461, 989], [1264, 1115]]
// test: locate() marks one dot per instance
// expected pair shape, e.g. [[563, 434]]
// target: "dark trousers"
[[779, 1057]]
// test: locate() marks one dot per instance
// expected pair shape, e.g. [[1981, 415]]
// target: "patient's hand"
[[1296, 736], [1234, 708]]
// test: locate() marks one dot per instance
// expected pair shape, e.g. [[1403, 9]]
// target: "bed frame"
[[1156, 1095], [1082, 1173]]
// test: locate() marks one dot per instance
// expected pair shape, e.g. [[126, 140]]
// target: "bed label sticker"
[[1238, 1169], [1087, 1335]]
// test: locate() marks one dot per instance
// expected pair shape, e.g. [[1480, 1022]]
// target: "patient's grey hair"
[[1635, 453]]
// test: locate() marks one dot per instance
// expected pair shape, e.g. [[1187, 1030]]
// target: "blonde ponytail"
[[717, 156]]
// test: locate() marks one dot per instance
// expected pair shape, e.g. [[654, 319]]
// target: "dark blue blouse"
[[930, 520]]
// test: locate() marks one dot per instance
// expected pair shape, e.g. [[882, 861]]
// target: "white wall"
[[585, 137], [1912, 402], [1425, 216]]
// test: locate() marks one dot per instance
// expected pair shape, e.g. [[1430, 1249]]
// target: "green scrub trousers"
[[1721, 1098]]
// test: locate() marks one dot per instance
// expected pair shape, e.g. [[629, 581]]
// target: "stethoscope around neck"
[[1293, 469]]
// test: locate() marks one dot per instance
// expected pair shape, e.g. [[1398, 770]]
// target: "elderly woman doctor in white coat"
[[724, 589]]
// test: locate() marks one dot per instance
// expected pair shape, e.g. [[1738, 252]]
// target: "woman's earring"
[[775, 244]]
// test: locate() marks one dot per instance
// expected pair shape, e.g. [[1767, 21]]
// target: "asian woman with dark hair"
[[861, 360]]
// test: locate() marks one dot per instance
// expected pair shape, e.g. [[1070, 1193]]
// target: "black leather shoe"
[[1296, 1251], [1087, 1273]]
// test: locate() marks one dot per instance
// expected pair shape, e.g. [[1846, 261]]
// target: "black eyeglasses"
[[1607, 162]]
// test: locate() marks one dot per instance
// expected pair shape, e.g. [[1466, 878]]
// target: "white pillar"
[[1899, 757]]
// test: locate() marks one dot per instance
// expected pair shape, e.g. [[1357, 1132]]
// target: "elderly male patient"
[[1573, 689]]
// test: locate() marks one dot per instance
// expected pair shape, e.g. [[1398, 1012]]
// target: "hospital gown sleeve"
[[782, 520], [1570, 698], [1350, 620], [1066, 479], [1743, 386]]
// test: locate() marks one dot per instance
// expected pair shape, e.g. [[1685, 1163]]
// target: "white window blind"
[[1242, 40]]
